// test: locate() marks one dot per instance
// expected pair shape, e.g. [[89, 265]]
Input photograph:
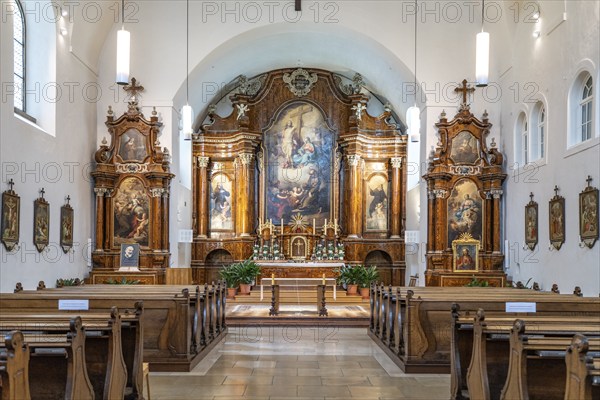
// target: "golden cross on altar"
[[465, 89], [133, 89], [299, 245]]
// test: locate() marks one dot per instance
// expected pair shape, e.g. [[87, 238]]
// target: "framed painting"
[[465, 254], [221, 204], [588, 215], [556, 219], [465, 211], [66, 227], [531, 223], [465, 148], [376, 204], [131, 208], [298, 163], [10, 223], [41, 223], [130, 255], [133, 146]]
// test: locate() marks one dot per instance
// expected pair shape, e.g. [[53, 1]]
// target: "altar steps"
[[292, 296]]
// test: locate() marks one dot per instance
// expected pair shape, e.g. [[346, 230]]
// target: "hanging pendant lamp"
[[123, 50], [413, 114], [187, 114], [482, 53]]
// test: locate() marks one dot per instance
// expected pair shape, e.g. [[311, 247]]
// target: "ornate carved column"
[[440, 231], [430, 220], [496, 195], [396, 222], [355, 211], [202, 196], [100, 192], [165, 219], [245, 194], [108, 217], [156, 194]]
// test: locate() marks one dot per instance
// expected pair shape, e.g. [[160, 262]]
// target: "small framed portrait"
[[465, 251], [41, 223], [556, 219], [11, 204], [130, 255], [66, 227], [531, 223], [588, 215]]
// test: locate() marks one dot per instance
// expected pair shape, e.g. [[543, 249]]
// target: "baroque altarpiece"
[[464, 187], [131, 182], [299, 171]]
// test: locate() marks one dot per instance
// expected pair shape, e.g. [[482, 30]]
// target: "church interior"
[[178, 177]]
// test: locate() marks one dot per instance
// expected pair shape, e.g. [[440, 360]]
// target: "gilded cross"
[[11, 183], [531, 196], [555, 190], [42, 192], [588, 180], [133, 89], [298, 247], [465, 90]]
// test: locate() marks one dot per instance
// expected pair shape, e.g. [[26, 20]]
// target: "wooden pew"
[[104, 356], [537, 368], [57, 368], [14, 368], [483, 344], [421, 322], [173, 327], [583, 372]]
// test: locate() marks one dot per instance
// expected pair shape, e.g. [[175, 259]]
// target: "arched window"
[[537, 132], [19, 36], [521, 140], [585, 111]]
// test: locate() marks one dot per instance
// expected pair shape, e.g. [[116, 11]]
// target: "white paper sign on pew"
[[74, 304], [520, 307]]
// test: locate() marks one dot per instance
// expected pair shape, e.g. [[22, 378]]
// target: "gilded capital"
[[246, 158], [396, 162], [353, 159], [202, 161]]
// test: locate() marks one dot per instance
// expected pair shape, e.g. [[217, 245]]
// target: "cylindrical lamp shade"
[[123, 46], [413, 119], [187, 115], [482, 65]]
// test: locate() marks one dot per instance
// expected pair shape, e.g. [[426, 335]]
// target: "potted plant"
[[349, 276], [248, 270], [368, 275], [230, 275]]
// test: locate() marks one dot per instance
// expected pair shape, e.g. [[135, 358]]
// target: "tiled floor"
[[270, 363]]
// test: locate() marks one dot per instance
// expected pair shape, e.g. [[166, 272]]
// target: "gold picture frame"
[[10, 223], [556, 220], [588, 215], [41, 222], [465, 254], [531, 223]]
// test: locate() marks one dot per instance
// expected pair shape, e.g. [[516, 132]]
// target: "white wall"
[[58, 161]]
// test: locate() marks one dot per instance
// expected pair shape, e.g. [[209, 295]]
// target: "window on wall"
[[585, 111], [521, 140], [19, 36], [537, 132]]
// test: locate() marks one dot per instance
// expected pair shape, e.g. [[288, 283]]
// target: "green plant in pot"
[[230, 275], [350, 277], [248, 270], [368, 275]]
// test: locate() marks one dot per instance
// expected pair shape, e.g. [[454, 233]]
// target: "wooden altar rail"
[[583, 372], [57, 367], [14, 368], [180, 325], [104, 361], [413, 325], [482, 344]]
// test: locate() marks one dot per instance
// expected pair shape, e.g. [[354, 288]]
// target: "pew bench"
[[482, 344], [57, 366], [537, 368], [104, 359], [583, 371], [14, 368]]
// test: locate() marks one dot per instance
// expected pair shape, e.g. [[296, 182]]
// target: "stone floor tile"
[[297, 364], [229, 371], [346, 380], [310, 391], [319, 372], [297, 380], [248, 380], [364, 372], [275, 371], [271, 390]]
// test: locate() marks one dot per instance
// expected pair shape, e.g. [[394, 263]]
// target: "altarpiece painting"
[[464, 211], [376, 206], [221, 214], [299, 152], [131, 213]]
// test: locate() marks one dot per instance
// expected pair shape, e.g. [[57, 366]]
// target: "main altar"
[[299, 171]]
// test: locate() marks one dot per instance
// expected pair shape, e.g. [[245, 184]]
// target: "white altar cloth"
[[298, 282]]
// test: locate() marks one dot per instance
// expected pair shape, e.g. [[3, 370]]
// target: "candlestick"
[[323, 279], [271, 226], [272, 279], [335, 226], [325, 227], [314, 226], [282, 225]]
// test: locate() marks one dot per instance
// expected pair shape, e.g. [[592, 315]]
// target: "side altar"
[[299, 170]]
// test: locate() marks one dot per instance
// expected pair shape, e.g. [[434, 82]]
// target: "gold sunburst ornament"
[[298, 222]]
